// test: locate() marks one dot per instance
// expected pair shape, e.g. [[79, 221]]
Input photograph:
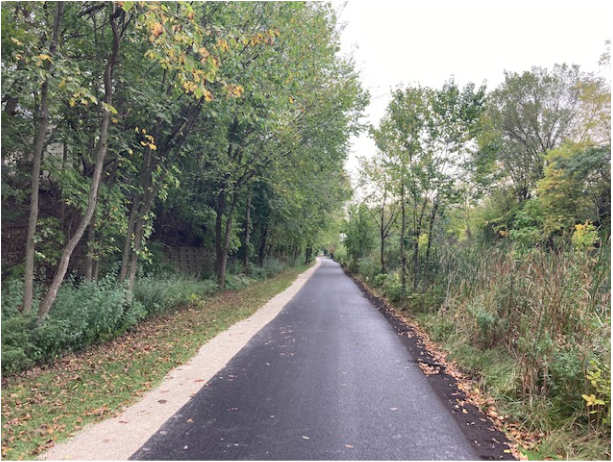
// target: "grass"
[[48, 404]]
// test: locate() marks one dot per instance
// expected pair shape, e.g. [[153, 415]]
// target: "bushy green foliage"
[[237, 281], [84, 314], [270, 268], [359, 232], [19, 348], [160, 296], [389, 286]]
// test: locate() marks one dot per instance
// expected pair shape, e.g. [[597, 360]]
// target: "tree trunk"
[[89, 260], [417, 235], [96, 179], [37, 154], [262, 244], [247, 236], [149, 189], [127, 246], [139, 230], [271, 244], [403, 257], [221, 273], [427, 264], [382, 235], [307, 254], [62, 203], [220, 208]]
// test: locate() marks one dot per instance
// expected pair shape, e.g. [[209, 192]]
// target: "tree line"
[[231, 118], [531, 158]]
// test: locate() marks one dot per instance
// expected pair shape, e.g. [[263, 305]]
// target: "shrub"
[[237, 281], [19, 350], [160, 296], [273, 266]]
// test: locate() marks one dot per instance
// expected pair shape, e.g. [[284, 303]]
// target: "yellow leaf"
[[157, 29], [43, 57]]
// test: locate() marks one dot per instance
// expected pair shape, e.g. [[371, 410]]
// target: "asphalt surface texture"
[[332, 377]]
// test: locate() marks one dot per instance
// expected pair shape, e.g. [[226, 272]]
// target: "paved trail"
[[327, 379]]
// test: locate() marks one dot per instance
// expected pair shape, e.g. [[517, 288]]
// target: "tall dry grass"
[[551, 311]]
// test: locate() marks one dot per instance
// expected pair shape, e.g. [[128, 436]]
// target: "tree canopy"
[[230, 114]]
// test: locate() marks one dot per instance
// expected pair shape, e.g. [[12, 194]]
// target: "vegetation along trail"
[[168, 166]]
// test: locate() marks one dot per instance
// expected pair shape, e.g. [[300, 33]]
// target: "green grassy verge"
[[46, 405]]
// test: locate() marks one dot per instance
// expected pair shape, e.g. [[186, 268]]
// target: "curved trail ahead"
[[327, 379]]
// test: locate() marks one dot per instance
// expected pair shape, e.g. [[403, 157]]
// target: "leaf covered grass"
[[48, 404]]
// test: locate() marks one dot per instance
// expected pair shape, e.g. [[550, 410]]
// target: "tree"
[[37, 151], [277, 121], [399, 137], [358, 231], [576, 188], [384, 208], [116, 14], [532, 113]]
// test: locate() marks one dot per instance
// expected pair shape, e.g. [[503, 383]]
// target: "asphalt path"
[[327, 379]]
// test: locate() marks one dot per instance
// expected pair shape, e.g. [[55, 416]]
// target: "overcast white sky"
[[428, 41]]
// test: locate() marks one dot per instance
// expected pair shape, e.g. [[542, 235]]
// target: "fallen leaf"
[[349, 446], [189, 420]]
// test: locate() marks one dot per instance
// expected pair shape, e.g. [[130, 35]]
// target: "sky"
[[427, 42]]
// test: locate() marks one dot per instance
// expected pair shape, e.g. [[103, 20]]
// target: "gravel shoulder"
[[118, 438]]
